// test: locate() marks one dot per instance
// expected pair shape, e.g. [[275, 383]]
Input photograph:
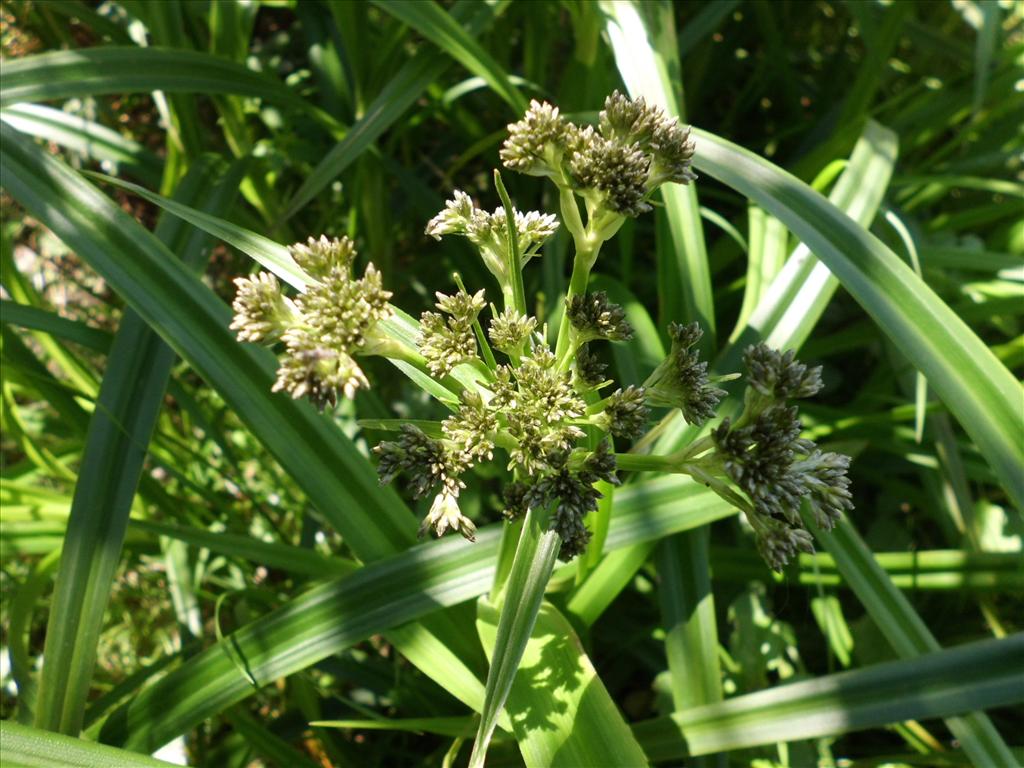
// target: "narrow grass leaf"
[[941, 684], [86, 137], [688, 616], [34, 318], [437, 25], [291, 559], [442, 726], [531, 569], [130, 398], [195, 323], [328, 467], [910, 637], [263, 250], [25, 747], [646, 54], [278, 260], [703, 24], [562, 715], [376, 598], [767, 252], [390, 104], [61, 75]]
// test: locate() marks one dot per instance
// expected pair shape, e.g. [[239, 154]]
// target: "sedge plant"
[[542, 404]]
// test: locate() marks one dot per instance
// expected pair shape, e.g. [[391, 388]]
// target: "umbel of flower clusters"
[[322, 329], [544, 410]]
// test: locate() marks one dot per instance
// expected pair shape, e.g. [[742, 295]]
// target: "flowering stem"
[[583, 262], [630, 462], [677, 464], [722, 489]]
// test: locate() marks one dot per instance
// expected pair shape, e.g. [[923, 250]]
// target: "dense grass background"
[[228, 557]]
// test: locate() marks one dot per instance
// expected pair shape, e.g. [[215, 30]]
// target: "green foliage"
[[189, 549]]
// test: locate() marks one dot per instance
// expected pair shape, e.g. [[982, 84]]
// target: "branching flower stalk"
[[551, 416]]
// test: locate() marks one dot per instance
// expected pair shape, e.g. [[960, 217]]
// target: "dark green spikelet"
[[681, 381], [422, 460], [589, 368], [827, 485], [779, 375], [594, 317], [625, 413], [779, 543], [666, 142], [628, 120], [615, 169]]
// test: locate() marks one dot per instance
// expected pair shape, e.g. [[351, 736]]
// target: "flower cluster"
[[570, 494], [532, 410], [324, 328], [681, 380], [625, 413], [446, 342], [489, 232], [635, 149], [509, 330], [594, 317], [763, 454], [540, 405], [428, 463]]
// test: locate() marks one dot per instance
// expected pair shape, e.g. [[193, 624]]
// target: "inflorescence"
[[635, 149], [324, 328], [547, 408]]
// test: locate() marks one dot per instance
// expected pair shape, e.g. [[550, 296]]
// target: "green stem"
[[515, 266], [678, 464], [510, 536], [630, 462], [586, 254]]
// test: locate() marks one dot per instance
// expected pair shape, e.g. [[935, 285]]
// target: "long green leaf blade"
[[130, 398], [908, 635], [531, 569], [21, 746], [92, 71], [327, 619], [389, 105], [437, 25], [372, 519], [647, 58], [976, 676], [562, 715]]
